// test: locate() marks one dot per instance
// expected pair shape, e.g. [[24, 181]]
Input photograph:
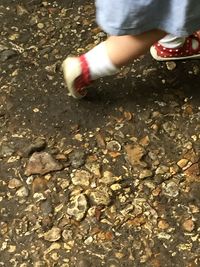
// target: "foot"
[[76, 75], [187, 51]]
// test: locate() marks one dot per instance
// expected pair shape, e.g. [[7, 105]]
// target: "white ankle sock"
[[99, 62], [172, 41]]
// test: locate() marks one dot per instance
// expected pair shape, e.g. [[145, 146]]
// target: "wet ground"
[[112, 180]]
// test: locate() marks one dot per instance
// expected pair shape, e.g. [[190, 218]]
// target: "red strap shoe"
[[162, 53], [77, 75]]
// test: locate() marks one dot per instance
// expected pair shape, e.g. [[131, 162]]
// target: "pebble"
[[14, 183], [84, 263], [46, 206], [38, 145], [77, 159], [145, 174], [81, 178], [22, 192], [53, 235], [42, 163], [182, 163], [171, 65], [170, 189], [134, 154], [162, 169], [188, 225], [78, 207], [40, 25], [7, 54], [163, 225], [101, 196], [115, 187], [113, 146], [39, 185], [108, 178], [6, 150], [21, 10]]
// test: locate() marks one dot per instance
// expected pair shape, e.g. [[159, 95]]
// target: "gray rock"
[[6, 150], [38, 145], [78, 207], [77, 159], [46, 207], [7, 54]]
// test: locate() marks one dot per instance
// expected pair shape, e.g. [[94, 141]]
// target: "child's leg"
[[124, 49], [173, 47], [105, 59]]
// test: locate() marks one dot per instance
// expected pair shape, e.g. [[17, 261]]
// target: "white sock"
[[99, 62], [172, 41]]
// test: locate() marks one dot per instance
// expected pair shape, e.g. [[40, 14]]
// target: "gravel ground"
[[112, 180]]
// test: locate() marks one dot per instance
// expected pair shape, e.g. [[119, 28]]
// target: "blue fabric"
[[121, 17]]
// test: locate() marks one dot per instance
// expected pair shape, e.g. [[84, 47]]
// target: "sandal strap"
[[85, 78]]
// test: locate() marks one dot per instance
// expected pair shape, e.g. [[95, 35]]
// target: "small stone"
[[163, 225], [21, 10], [100, 140], [182, 163], [193, 173], [108, 178], [101, 196], [46, 207], [6, 150], [40, 25], [14, 183], [39, 185], [38, 145], [115, 187], [145, 174], [113, 146], [162, 170], [188, 225], [77, 159], [134, 154], [88, 240], [170, 188], [83, 263], [53, 235], [171, 65], [78, 207], [7, 54], [81, 178], [94, 168], [22, 192], [42, 163]]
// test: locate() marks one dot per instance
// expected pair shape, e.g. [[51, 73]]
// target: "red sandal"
[[162, 53]]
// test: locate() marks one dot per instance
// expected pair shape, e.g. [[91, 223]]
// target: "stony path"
[[110, 181]]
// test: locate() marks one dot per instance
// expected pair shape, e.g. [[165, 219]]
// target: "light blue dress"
[[121, 17]]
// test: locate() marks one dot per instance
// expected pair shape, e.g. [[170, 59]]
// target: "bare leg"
[[123, 49]]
